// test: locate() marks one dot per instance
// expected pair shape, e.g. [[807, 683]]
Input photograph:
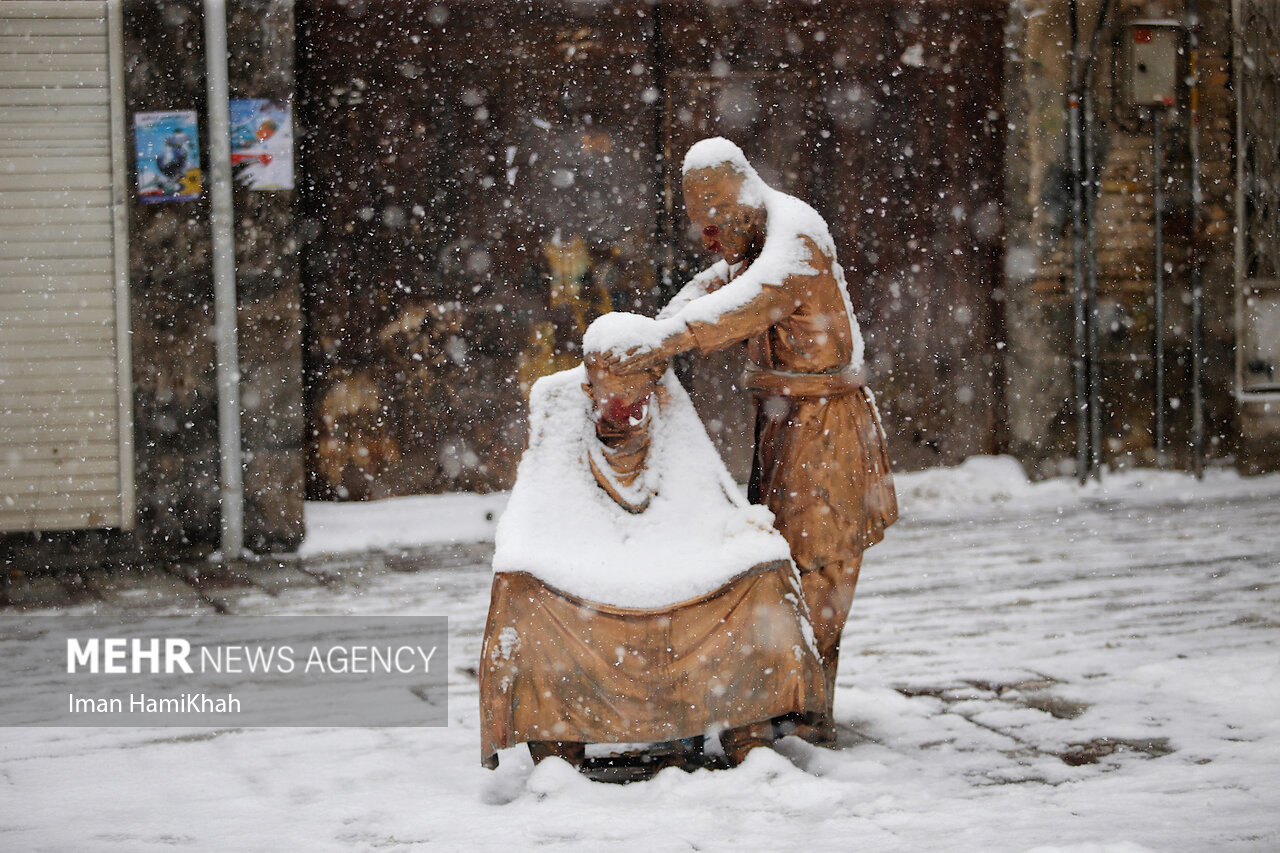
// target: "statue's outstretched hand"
[[634, 360], [647, 356]]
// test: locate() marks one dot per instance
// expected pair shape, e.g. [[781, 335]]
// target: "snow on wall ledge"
[[982, 484]]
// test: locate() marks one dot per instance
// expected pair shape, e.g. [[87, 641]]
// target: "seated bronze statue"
[[638, 598]]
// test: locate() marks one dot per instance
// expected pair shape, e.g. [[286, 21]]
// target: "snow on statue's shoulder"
[[787, 252], [697, 533]]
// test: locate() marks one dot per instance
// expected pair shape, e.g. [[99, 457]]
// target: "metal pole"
[[1237, 214], [1091, 169], [1159, 283], [224, 279], [664, 169], [1094, 362], [1077, 255], [1197, 289]]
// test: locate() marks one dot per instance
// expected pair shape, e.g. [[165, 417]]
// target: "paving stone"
[[346, 570], [143, 587], [33, 591], [275, 577], [218, 584]]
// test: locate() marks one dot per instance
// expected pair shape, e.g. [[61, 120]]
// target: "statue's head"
[[619, 399], [724, 197]]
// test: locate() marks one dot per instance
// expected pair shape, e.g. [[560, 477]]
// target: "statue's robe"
[[636, 603], [821, 465]]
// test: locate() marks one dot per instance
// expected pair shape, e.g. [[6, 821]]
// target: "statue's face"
[[729, 228], [619, 398]]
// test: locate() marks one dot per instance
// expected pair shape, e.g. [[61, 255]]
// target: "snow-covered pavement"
[[1027, 667]]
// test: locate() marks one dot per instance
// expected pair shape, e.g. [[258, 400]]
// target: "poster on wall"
[[168, 156], [262, 143]]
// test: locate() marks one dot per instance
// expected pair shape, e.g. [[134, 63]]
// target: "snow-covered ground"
[[1028, 667]]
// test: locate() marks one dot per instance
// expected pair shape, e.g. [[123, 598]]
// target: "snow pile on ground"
[[977, 481], [979, 485], [983, 483], [697, 533], [334, 528]]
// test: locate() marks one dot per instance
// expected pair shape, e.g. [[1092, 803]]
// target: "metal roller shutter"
[[66, 458]]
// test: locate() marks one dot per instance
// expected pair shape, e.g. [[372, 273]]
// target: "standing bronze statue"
[[821, 464]]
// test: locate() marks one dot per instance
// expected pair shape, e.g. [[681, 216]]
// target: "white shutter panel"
[[66, 459]]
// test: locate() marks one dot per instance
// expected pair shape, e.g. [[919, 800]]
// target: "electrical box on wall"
[[1259, 355], [1149, 70]]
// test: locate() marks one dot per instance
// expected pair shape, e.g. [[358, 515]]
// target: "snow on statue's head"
[[718, 154], [620, 398]]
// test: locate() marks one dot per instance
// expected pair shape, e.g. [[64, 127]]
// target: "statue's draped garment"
[[668, 612], [821, 465]]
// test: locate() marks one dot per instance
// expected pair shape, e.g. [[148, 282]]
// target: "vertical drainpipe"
[[224, 280]]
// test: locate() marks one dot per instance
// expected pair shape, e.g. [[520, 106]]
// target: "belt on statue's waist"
[[764, 382]]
